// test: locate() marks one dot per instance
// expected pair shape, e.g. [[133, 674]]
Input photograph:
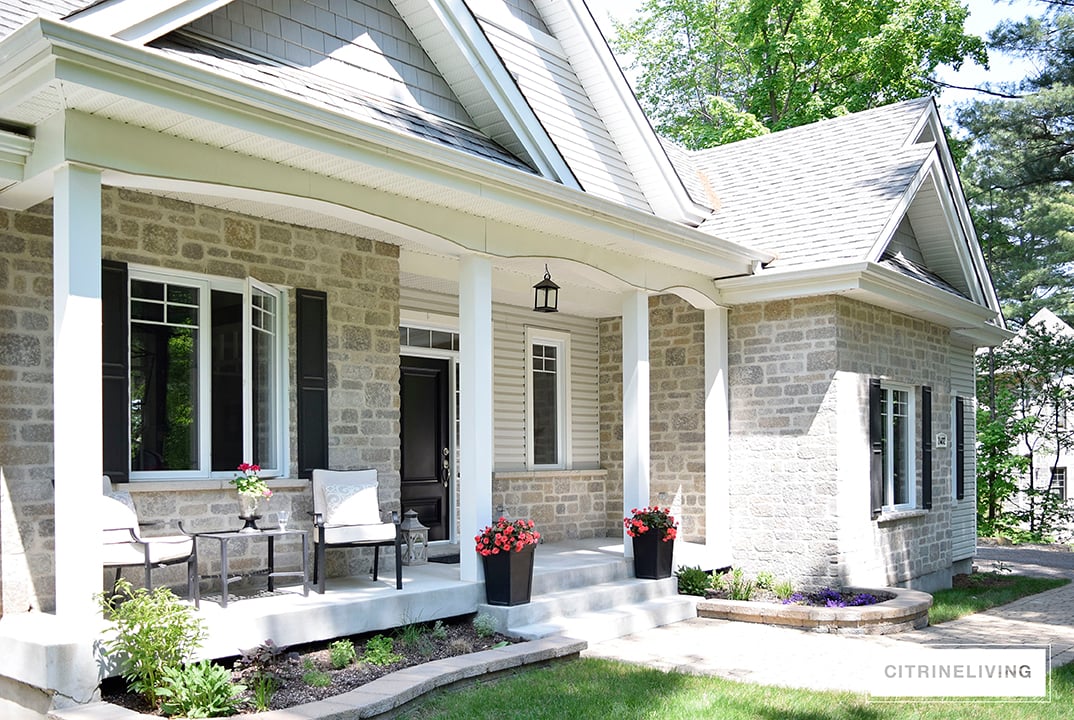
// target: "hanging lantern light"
[[546, 294]]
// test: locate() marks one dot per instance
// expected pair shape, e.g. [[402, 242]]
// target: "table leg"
[[305, 566], [223, 574], [271, 563]]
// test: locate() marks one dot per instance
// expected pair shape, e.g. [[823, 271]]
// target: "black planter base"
[[509, 577], [652, 556]]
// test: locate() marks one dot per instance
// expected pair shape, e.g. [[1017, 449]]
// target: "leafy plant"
[[263, 685], [154, 631], [198, 690], [342, 653], [263, 656], [485, 625], [739, 587], [765, 580], [380, 650], [693, 581], [314, 677], [651, 518], [439, 631], [410, 634], [783, 589]]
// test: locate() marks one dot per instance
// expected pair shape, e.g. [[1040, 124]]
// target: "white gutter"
[[140, 21], [14, 149]]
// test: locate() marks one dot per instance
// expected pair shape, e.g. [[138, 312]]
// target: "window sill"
[[145, 486], [894, 516]]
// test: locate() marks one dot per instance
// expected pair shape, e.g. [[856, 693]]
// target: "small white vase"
[[248, 511]]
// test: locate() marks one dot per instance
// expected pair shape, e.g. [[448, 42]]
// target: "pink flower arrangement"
[[651, 518], [506, 536], [248, 482]]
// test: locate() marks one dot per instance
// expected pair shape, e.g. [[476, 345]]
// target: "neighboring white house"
[[310, 231]]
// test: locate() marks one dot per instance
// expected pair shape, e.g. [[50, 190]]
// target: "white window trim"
[[911, 447], [562, 340], [241, 286]]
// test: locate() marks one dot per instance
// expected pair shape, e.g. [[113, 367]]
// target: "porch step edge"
[[614, 622], [576, 601]]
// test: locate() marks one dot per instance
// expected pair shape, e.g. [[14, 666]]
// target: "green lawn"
[[605, 690], [986, 590]]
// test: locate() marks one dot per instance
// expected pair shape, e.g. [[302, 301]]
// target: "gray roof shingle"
[[16, 13], [317, 90], [817, 193]]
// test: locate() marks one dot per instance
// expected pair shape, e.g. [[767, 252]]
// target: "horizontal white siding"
[[546, 79], [509, 388], [964, 514]]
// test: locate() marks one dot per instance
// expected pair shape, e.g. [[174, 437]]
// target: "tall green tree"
[[1020, 167], [715, 71]]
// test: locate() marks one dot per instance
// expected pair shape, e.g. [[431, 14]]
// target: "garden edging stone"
[[386, 694], [907, 610]]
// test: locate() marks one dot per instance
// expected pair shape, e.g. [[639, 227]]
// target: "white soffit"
[[139, 21]]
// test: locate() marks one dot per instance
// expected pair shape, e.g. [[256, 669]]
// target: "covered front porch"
[[581, 588]]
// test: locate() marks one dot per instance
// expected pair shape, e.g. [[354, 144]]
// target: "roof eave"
[[148, 75]]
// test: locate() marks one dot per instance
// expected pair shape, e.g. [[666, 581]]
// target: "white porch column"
[[475, 411], [76, 368], [635, 407], [717, 441]]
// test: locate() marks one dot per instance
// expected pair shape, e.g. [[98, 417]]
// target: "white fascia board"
[[620, 111], [111, 66], [140, 21], [459, 23], [866, 281], [14, 149]]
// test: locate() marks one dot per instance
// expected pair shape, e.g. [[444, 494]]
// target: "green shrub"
[[783, 589], [342, 653], [410, 634], [314, 677], [485, 625], [380, 650], [693, 581], [154, 632], [198, 690], [719, 580], [739, 587], [765, 581], [263, 685], [439, 631]]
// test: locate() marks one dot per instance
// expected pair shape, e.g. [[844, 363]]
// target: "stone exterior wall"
[[799, 491], [361, 278], [564, 504], [676, 408]]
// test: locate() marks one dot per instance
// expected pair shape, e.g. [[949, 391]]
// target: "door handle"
[[445, 466]]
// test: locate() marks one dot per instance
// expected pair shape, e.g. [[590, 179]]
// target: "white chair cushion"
[[167, 548], [352, 504], [380, 532]]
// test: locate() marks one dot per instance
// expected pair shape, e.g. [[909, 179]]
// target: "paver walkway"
[[796, 658]]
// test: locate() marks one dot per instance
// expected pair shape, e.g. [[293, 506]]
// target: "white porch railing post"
[[717, 440], [77, 387], [635, 406], [475, 411]]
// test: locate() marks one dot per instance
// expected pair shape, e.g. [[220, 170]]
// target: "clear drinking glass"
[[282, 516]]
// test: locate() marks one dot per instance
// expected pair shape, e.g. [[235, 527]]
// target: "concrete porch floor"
[[52, 661]]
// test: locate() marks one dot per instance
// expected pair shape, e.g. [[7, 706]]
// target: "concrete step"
[[549, 577], [575, 601], [613, 622]]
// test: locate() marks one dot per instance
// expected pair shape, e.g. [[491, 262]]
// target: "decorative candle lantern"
[[415, 539]]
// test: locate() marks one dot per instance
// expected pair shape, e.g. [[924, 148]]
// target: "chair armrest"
[[128, 528], [318, 519]]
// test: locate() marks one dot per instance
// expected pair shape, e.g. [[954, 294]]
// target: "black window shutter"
[[926, 447], [115, 372], [311, 323], [960, 447], [876, 449]]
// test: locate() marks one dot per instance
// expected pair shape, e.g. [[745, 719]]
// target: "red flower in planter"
[[506, 536], [651, 518]]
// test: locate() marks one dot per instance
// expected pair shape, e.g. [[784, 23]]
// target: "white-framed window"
[[207, 375], [1059, 483], [547, 397], [897, 417]]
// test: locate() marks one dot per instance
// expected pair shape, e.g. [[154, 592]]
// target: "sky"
[[984, 15]]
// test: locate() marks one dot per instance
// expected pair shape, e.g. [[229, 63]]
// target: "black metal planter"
[[652, 556], [509, 577]]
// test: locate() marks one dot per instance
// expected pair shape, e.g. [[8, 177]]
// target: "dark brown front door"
[[424, 440]]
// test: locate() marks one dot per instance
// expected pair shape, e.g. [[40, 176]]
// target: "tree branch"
[[984, 91]]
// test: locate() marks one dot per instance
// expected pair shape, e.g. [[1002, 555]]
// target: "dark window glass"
[[226, 340], [545, 406]]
